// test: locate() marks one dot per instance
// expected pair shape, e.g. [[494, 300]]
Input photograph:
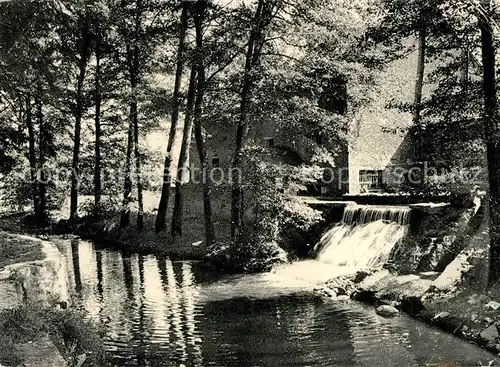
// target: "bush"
[[247, 256], [70, 330], [270, 194], [78, 335]]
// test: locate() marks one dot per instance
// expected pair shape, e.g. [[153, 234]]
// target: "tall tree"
[[491, 130], [32, 156], [199, 17], [262, 17], [419, 83], [97, 120], [84, 50], [134, 65], [182, 166], [161, 217], [127, 186], [42, 148]]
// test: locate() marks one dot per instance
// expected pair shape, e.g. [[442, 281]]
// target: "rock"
[[441, 315], [473, 299], [343, 298], [488, 320], [432, 275], [361, 275], [493, 305], [473, 317], [388, 302], [340, 291], [80, 360], [489, 335], [387, 311], [329, 292], [44, 282]]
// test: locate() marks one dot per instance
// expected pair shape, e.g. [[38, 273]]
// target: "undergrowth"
[[71, 332]]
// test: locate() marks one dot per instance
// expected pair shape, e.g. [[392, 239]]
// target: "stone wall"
[[44, 282], [437, 235]]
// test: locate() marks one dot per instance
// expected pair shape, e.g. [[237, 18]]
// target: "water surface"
[[159, 312]]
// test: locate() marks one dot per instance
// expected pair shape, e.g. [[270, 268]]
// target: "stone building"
[[377, 143]]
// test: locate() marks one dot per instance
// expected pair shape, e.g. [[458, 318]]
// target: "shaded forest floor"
[[191, 244], [106, 231]]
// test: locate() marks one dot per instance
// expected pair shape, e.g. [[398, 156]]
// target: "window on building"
[[269, 142], [323, 190], [370, 179], [215, 161], [320, 140], [334, 95]]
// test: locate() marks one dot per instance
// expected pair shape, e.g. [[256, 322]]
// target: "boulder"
[[488, 320], [387, 311], [343, 298], [489, 335], [442, 315], [44, 282], [492, 305], [341, 291]]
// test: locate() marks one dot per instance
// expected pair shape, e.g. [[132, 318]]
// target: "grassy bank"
[[35, 336], [190, 244], [74, 336], [14, 250]]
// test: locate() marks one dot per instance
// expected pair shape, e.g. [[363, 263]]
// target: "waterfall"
[[365, 237]]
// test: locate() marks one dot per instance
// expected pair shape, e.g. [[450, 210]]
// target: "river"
[[158, 312]]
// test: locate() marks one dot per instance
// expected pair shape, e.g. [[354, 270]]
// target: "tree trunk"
[[183, 156], [97, 120], [133, 130], [198, 133], [161, 217], [492, 148], [251, 59], [82, 66], [32, 158], [419, 85], [42, 184], [140, 201], [135, 117], [464, 72], [127, 185]]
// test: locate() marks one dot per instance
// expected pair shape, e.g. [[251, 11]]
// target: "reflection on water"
[[156, 312]]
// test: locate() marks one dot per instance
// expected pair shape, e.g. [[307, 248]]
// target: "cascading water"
[[365, 237]]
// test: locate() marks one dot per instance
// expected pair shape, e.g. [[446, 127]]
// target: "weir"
[[365, 237]]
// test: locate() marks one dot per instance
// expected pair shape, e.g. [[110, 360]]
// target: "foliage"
[[270, 194], [311, 70], [248, 256], [70, 330]]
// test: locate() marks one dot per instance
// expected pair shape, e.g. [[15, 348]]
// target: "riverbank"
[[36, 328], [34, 336], [13, 250], [456, 301]]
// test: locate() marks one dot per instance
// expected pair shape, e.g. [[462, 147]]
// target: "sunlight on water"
[[300, 276], [158, 312]]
